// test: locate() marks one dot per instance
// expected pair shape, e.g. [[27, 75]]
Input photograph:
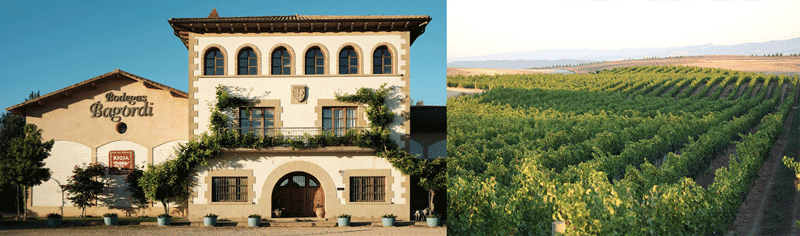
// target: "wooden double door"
[[297, 193]]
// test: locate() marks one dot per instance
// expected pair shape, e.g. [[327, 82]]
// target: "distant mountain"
[[515, 64], [788, 46]]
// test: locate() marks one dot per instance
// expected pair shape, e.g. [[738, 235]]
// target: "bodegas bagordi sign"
[[116, 113]]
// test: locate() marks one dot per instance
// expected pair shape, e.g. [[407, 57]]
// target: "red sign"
[[121, 160]]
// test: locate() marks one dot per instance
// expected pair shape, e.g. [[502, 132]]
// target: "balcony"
[[299, 140], [297, 137], [295, 133]]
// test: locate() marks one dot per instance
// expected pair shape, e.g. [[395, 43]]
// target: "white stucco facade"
[[326, 86], [166, 151], [64, 156], [331, 164], [333, 168]]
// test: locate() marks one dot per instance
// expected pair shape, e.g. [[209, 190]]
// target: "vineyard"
[[626, 151]]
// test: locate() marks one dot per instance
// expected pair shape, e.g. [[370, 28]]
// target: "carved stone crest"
[[299, 94]]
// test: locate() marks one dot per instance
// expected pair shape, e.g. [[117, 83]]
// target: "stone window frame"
[[224, 59], [359, 54], [386, 173], [259, 58], [263, 119], [344, 110], [292, 57], [251, 181], [275, 104], [326, 103], [395, 58], [325, 55]]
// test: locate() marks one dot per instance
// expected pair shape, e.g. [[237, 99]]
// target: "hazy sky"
[[50, 45], [489, 27]]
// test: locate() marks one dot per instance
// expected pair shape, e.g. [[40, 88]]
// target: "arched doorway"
[[297, 193]]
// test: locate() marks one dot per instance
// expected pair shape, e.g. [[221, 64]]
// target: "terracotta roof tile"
[[213, 13]]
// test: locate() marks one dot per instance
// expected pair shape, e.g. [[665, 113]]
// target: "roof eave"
[[20, 108], [182, 26]]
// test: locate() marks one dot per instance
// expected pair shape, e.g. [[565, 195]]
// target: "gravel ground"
[[187, 230]]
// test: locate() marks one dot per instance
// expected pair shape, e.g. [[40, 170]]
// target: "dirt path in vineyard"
[[769, 208], [727, 89]]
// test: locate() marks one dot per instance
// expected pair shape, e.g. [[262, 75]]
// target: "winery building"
[[292, 67], [116, 119]]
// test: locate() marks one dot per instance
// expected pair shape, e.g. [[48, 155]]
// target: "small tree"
[[84, 186], [432, 177], [164, 183], [138, 197], [23, 163]]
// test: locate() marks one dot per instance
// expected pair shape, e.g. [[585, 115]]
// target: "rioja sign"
[[120, 161]]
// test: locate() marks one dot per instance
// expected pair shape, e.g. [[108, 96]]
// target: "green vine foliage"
[[375, 99], [225, 101], [432, 173], [794, 166], [138, 197]]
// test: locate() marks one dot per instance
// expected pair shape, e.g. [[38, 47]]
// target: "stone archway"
[[330, 201], [297, 193]]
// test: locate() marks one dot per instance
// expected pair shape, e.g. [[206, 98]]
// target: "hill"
[[786, 65], [788, 46]]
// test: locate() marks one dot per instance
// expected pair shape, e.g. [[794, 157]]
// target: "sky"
[[52, 45], [491, 27]]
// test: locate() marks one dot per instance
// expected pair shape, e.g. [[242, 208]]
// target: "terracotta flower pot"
[[320, 212]]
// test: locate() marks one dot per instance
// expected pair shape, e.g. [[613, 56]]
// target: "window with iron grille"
[[258, 121], [214, 63], [229, 189], [367, 189], [382, 61], [348, 61], [338, 119], [248, 62]]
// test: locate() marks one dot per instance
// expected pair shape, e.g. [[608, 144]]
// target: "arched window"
[[348, 61], [382, 61], [281, 62], [215, 62], [248, 62], [315, 61]]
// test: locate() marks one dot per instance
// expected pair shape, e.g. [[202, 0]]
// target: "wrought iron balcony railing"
[[296, 132]]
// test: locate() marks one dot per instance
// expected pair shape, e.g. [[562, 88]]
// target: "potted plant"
[[53, 220], [388, 219], [433, 219], [210, 219], [110, 218], [344, 220], [320, 210], [164, 219], [254, 220], [278, 211]]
